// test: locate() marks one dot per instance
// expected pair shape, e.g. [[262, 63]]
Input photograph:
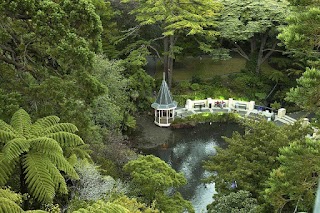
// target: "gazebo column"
[[172, 114]]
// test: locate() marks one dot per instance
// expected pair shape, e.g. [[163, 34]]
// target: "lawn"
[[206, 68]]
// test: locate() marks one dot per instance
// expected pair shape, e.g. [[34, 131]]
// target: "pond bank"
[[148, 135]]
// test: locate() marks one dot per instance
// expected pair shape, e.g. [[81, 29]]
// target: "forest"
[[74, 80]]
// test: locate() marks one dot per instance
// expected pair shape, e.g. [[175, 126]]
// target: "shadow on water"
[[186, 149]]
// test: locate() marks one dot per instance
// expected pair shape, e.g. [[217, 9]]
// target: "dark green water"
[[185, 151]]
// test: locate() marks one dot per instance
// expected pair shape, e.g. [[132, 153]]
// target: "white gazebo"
[[164, 106]]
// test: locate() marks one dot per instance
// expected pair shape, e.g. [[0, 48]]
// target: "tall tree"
[[174, 18], [37, 150], [46, 50], [307, 93], [112, 109], [251, 28], [250, 158], [301, 35], [288, 190]]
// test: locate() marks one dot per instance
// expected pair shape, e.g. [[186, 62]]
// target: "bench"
[[240, 106], [200, 105]]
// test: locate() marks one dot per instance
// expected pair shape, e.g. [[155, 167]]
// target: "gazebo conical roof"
[[164, 99]]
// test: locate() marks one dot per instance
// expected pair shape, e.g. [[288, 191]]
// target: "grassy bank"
[[207, 68]]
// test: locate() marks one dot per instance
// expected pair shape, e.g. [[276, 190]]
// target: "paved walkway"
[[183, 112]]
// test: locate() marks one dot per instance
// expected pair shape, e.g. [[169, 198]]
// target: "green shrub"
[[207, 117], [195, 86], [216, 81], [196, 79]]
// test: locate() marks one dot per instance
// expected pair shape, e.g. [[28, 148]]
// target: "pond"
[[186, 149]]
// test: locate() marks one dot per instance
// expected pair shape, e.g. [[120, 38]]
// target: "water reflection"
[[186, 150]]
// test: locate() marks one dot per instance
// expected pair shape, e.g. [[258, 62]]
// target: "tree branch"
[[159, 38], [239, 50], [154, 49], [272, 50]]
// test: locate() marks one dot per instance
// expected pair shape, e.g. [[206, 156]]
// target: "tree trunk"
[[170, 61], [260, 53], [165, 56], [23, 186], [253, 45], [168, 57]]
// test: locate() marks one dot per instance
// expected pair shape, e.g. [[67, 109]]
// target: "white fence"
[[229, 104], [211, 103]]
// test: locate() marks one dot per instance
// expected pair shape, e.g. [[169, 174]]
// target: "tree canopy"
[[174, 19], [251, 27], [250, 158], [154, 178]]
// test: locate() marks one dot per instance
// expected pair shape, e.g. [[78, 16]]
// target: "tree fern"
[[8, 206], [39, 148]]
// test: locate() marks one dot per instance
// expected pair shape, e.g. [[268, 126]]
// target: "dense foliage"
[[152, 178], [70, 67]]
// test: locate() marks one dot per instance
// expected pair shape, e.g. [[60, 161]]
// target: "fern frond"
[[6, 127], [72, 159], [66, 139], [38, 178], [21, 122], [61, 127], [8, 206], [102, 207], [47, 121], [6, 169], [6, 193], [6, 136], [14, 148], [36, 211], [45, 145], [82, 152], [63, 165], [43, 123], [58, 180]]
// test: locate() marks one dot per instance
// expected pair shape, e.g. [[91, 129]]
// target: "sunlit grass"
[[206, 68]]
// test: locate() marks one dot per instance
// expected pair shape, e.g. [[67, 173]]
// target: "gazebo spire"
[[164, 99]]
